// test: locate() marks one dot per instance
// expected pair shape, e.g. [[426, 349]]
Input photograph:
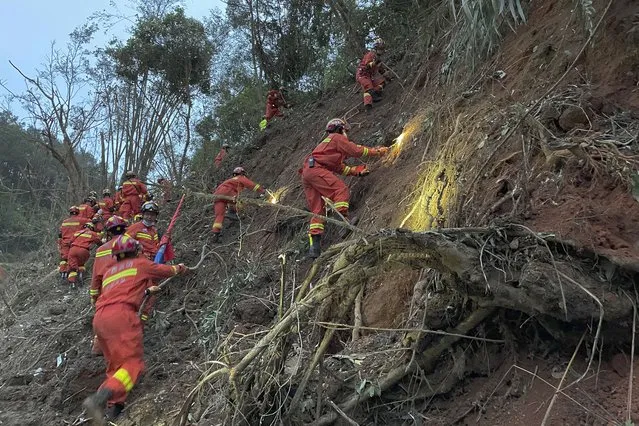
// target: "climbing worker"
[[104, 259], [134, 193], [69, 226], [369, 74], [231, 188], [319, 180], [81, 244], [145, 231], [220, 156], [106, 204], [88, 208], [118, 327], [167, 189], [274, 101]]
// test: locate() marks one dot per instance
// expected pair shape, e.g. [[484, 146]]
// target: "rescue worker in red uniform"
[[369, 74], [69, 226], [81, 244], [167, 189], [231, 188], [221, 155], [107, 205], [88, 208], [118, 327], [134, 193], [104, 259], [319, 180], [274, 101], [145, 231]]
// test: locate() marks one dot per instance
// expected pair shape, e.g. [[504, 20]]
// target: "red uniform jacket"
[[274, 98], [134, 187], [118, 199], [87, 211], [147, 236], [334, 149], [232, 187], [107, 207], [103, 260], [125, 282], [367, 66], [85, 239], [70, 226], [219, 158]]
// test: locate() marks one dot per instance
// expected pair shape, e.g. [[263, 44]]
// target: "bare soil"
[[234, 297]]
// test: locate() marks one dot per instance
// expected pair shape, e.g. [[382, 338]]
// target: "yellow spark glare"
[[411, 129], [276, 196]]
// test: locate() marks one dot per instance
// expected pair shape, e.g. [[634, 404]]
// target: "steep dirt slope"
[[566, 169]]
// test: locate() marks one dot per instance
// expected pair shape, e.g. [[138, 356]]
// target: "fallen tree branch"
[[278, 206]]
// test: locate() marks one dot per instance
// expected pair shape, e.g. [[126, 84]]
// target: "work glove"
[[379, 151], [153, 289], [360, 170]]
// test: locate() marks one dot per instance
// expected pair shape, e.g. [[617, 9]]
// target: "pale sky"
[[27, 28]]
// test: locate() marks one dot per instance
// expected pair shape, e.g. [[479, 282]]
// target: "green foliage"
[[174, 47]]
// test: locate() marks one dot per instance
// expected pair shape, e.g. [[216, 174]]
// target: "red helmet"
[[337, 125], [124, 244], [150, 206], [74, 210], [114, 222], [239, 171]]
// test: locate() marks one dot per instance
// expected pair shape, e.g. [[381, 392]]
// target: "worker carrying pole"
[[319, 180]]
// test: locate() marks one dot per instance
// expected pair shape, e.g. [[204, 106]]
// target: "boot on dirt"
[[231, 215], [215, 238], [114, 411], [95, 405], [315, 248], [368, 107], [377, 96]]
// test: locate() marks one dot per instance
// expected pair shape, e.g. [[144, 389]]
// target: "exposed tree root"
[[526, 272]]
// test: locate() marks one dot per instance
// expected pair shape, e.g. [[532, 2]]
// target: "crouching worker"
[[118, 327]]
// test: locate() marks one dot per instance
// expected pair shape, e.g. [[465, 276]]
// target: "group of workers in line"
[[124, 272]]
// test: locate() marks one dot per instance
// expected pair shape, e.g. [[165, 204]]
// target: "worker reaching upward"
[[231, 188], [369, 74], [118, 327], [319, 180], [274, 101]]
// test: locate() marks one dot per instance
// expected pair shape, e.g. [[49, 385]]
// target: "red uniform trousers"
[[272, 111], [368, 82], [219, 207], [320, 182], [119, 334], [63, 248], [130, 206], [78, 256]]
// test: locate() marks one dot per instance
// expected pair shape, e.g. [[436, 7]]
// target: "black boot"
[[315, 248], [114, 411], [377, 96], [215, 238], [95, 405]]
